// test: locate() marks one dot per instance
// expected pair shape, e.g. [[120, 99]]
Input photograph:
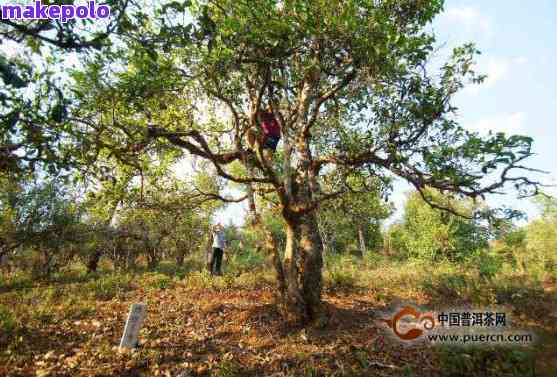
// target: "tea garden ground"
[[227, 326]]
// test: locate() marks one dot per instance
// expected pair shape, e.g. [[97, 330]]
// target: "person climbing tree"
[[268, 133]]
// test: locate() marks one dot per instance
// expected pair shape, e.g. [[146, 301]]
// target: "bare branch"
[[325, 97], [215, 196]]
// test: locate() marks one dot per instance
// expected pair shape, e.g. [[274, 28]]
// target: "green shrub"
[[253, 279], [394, 242], [446, 285], [199, 279], [244, 262], [341, 279], [75, 307], [159, 281], [171, 269], [341, 273], [53, 293], [108, 287], [458, 287], [73, 275], [17, 280], [374, 260], [431, 234], [228, 368], [42, 313], [550, 266], [7, 322], [461, 362], [488, 264]]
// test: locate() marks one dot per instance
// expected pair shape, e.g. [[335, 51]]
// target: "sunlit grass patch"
[[75, 307], [173, 270], [338, 278], [245, 262], [155, 280], [228, 368], [7, 323], [108, 287], [486, 361], [16, 280], [198, 280], [255, 279]]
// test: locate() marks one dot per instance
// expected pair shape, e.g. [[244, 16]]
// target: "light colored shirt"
[[218, 239]]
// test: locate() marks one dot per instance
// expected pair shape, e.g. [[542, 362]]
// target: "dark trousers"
[[215, 261]]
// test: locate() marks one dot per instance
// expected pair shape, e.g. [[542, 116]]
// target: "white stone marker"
[[133, 324]]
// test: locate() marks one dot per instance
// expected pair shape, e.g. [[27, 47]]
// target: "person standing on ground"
[[216, 253]]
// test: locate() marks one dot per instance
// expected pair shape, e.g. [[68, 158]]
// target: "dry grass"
[[228, 326]]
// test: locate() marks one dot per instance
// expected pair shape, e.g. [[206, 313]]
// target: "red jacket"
[[270, 125]]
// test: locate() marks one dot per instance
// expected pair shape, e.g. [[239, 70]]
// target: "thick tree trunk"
[[119, 256], [5, 264], [3, 259], [93, 261], [301, 268], [299, 272], [182, 248], [48, 262], [152, 258], [180, 256]]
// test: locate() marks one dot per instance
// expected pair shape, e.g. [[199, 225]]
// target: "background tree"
[[355, 216], [540, 235], [41, 221], [167, 221], [35, 95], [432, 234], [147, 212], [10, 237]]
